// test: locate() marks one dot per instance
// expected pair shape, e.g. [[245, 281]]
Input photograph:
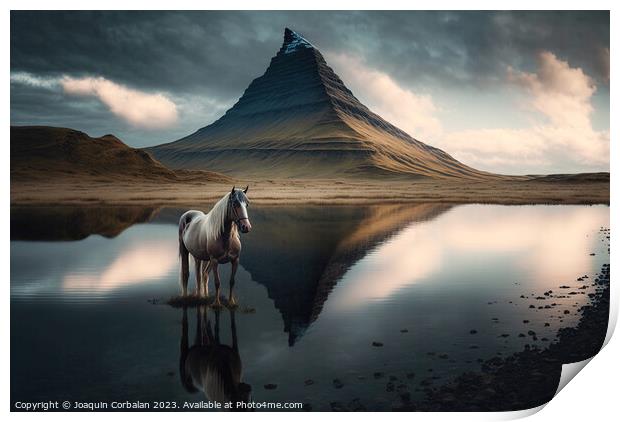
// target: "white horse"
[[213, 239]]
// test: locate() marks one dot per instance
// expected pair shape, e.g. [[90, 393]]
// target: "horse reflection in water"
[[209, 366]]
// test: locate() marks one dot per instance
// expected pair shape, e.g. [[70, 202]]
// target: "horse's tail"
[[183, 254]]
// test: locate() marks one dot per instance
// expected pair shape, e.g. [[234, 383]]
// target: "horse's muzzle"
[[245, 226]]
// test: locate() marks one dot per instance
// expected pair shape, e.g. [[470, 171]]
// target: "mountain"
[[53, 153], [299, 120]]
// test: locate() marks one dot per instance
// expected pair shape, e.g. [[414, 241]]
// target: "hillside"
[[53, 154]]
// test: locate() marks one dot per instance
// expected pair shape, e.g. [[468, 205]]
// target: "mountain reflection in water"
[[299, 254]]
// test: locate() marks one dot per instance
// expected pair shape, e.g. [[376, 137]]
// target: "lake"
[[338, 304]]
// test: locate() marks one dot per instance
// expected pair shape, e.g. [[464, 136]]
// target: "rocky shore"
[[529, 378]]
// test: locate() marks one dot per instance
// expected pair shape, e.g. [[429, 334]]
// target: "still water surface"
[[325, 283]]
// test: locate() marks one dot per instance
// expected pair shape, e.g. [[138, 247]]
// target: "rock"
[[378, 375], [473, 331], [526, 321], [566, 312], [547, 324], [404, 330], [271, 386], [377, 344]]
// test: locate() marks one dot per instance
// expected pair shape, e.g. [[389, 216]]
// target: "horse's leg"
[[206, 267], [184, 274], [216, 277], [197, 266], [231, 298]]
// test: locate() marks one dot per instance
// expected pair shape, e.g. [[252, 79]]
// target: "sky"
[[509, 92]]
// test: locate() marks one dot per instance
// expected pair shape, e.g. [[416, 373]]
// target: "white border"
[[590, 396]]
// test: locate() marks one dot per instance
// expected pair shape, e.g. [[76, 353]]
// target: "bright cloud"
[[559, 92], [148, 111], [415, 114], [560, 98], [557, 97]]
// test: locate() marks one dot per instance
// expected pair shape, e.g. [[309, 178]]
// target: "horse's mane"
[[214, 223]]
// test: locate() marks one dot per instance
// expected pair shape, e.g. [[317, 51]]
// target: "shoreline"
[[529, 378], [309, 192]]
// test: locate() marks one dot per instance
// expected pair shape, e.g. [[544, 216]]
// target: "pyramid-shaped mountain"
[[299, 120]]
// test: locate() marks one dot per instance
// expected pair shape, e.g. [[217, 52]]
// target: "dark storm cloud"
[[217, 54]]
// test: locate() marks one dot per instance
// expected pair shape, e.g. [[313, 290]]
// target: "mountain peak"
[[298, 119], [294, 42]]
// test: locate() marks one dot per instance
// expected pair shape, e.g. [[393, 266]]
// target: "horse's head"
[[239, 207]]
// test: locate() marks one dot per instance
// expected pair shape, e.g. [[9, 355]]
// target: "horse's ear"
[[233, 190], [246, 189]]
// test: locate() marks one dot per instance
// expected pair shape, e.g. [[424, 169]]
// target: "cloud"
[[559, 92], [415, 114], [603, 63], [144, 110], [28, 79], [559, 98]]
